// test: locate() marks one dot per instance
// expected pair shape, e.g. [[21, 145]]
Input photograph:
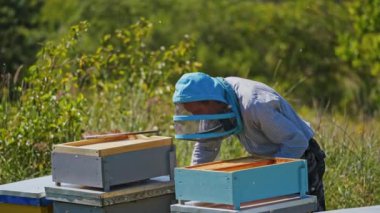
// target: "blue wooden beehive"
[[241, 180]]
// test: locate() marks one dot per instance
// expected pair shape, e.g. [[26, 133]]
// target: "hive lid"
[[32, 188], [26, 192], [100, 147]]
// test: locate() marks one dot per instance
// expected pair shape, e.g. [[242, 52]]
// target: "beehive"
[[103, 164], [241, 180]]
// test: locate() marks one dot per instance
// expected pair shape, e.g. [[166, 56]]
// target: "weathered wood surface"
[[239, 164], [100, 147], [159, 204], [120, 135], [120, 194]]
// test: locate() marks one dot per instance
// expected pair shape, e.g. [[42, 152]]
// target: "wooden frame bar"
[[101, 147]]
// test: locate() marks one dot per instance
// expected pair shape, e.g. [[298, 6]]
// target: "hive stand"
[[286, 204], [149, 196]]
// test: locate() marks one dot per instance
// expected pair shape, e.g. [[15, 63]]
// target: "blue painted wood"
[[25, 200], [196, 185], [236, 187], [29, 192], [267, 181]]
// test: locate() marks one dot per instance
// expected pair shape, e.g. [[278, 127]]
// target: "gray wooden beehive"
[[102, 164]]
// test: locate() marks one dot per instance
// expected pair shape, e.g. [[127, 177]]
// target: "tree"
[[19, 40], [360, 47]]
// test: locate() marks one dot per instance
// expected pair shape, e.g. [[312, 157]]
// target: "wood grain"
[[239, 164], [99, 147]]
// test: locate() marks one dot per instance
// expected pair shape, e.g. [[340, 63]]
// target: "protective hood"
[[198, 87], [195, 87]]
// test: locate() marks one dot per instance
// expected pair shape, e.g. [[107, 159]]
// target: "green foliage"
[[289, 44], [360, 47], [352, 150], [19, 36], [125, 74], [48, 112], [19, 40], [118, 74], [121, 85], [327, 48]]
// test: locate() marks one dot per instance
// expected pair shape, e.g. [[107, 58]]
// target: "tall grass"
[[353, 157]]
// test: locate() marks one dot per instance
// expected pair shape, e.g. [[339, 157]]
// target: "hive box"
[[150, 196], [102, 164], [241, 180], [27, 196]]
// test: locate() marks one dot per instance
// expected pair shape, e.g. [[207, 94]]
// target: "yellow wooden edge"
[[99, 140], [75, 150], [14, 208], [250, 158], [106, 139], [146, 143]]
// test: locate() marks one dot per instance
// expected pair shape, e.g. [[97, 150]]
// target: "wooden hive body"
[[102, 164], [241, 180]]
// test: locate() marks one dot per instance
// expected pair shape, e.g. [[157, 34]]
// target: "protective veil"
[[193, 87]]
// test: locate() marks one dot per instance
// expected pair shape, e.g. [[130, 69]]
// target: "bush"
[[121, 85]]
